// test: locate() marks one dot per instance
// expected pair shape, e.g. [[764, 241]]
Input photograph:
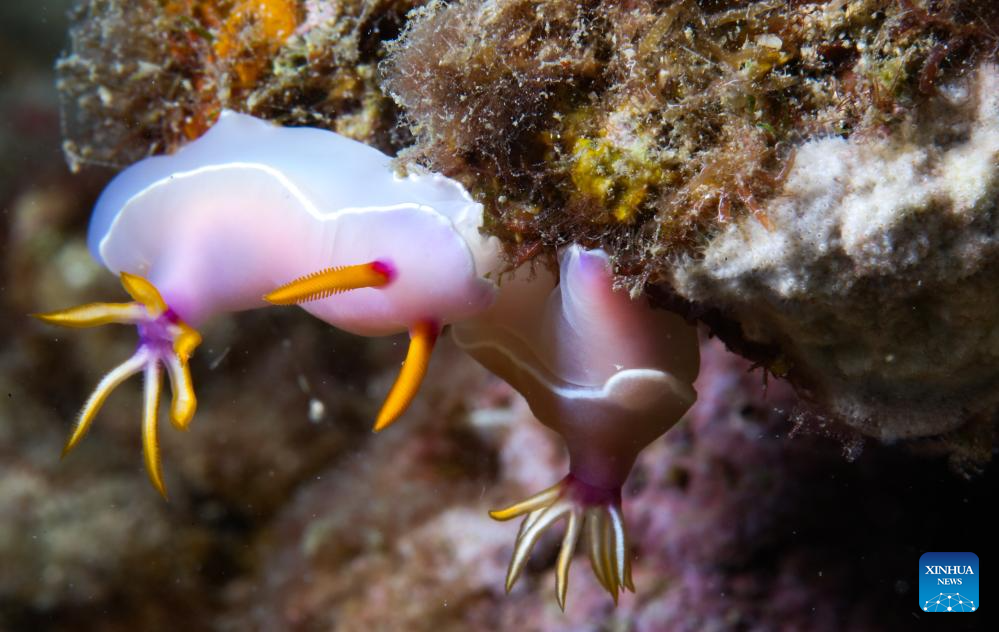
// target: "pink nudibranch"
[[608, 373], [250, 207], [252, 214]]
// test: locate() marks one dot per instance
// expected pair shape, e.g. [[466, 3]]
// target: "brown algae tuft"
[[146, 76], [643, 126]]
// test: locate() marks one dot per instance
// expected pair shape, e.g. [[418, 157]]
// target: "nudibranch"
[[608, 373], [251, 214]]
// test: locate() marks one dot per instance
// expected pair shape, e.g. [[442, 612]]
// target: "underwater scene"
[[555, 316]]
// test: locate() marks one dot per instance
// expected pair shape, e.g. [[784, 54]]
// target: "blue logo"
[[948, 582]]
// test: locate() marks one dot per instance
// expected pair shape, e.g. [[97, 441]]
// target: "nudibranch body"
[[251, 214], [608, 373], [250, 207]]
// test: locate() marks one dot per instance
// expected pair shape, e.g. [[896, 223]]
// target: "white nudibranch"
[[252, 213], [608, 373]]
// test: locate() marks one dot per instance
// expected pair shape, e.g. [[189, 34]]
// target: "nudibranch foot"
[[164, 341], [583, 506]]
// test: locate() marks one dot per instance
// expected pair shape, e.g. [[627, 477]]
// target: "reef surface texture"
[[815, 180], [878, 274]]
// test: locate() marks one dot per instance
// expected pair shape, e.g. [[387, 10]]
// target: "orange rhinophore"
[[422, 337], [326, 283]]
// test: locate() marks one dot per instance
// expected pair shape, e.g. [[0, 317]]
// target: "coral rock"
[[878, 277]]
